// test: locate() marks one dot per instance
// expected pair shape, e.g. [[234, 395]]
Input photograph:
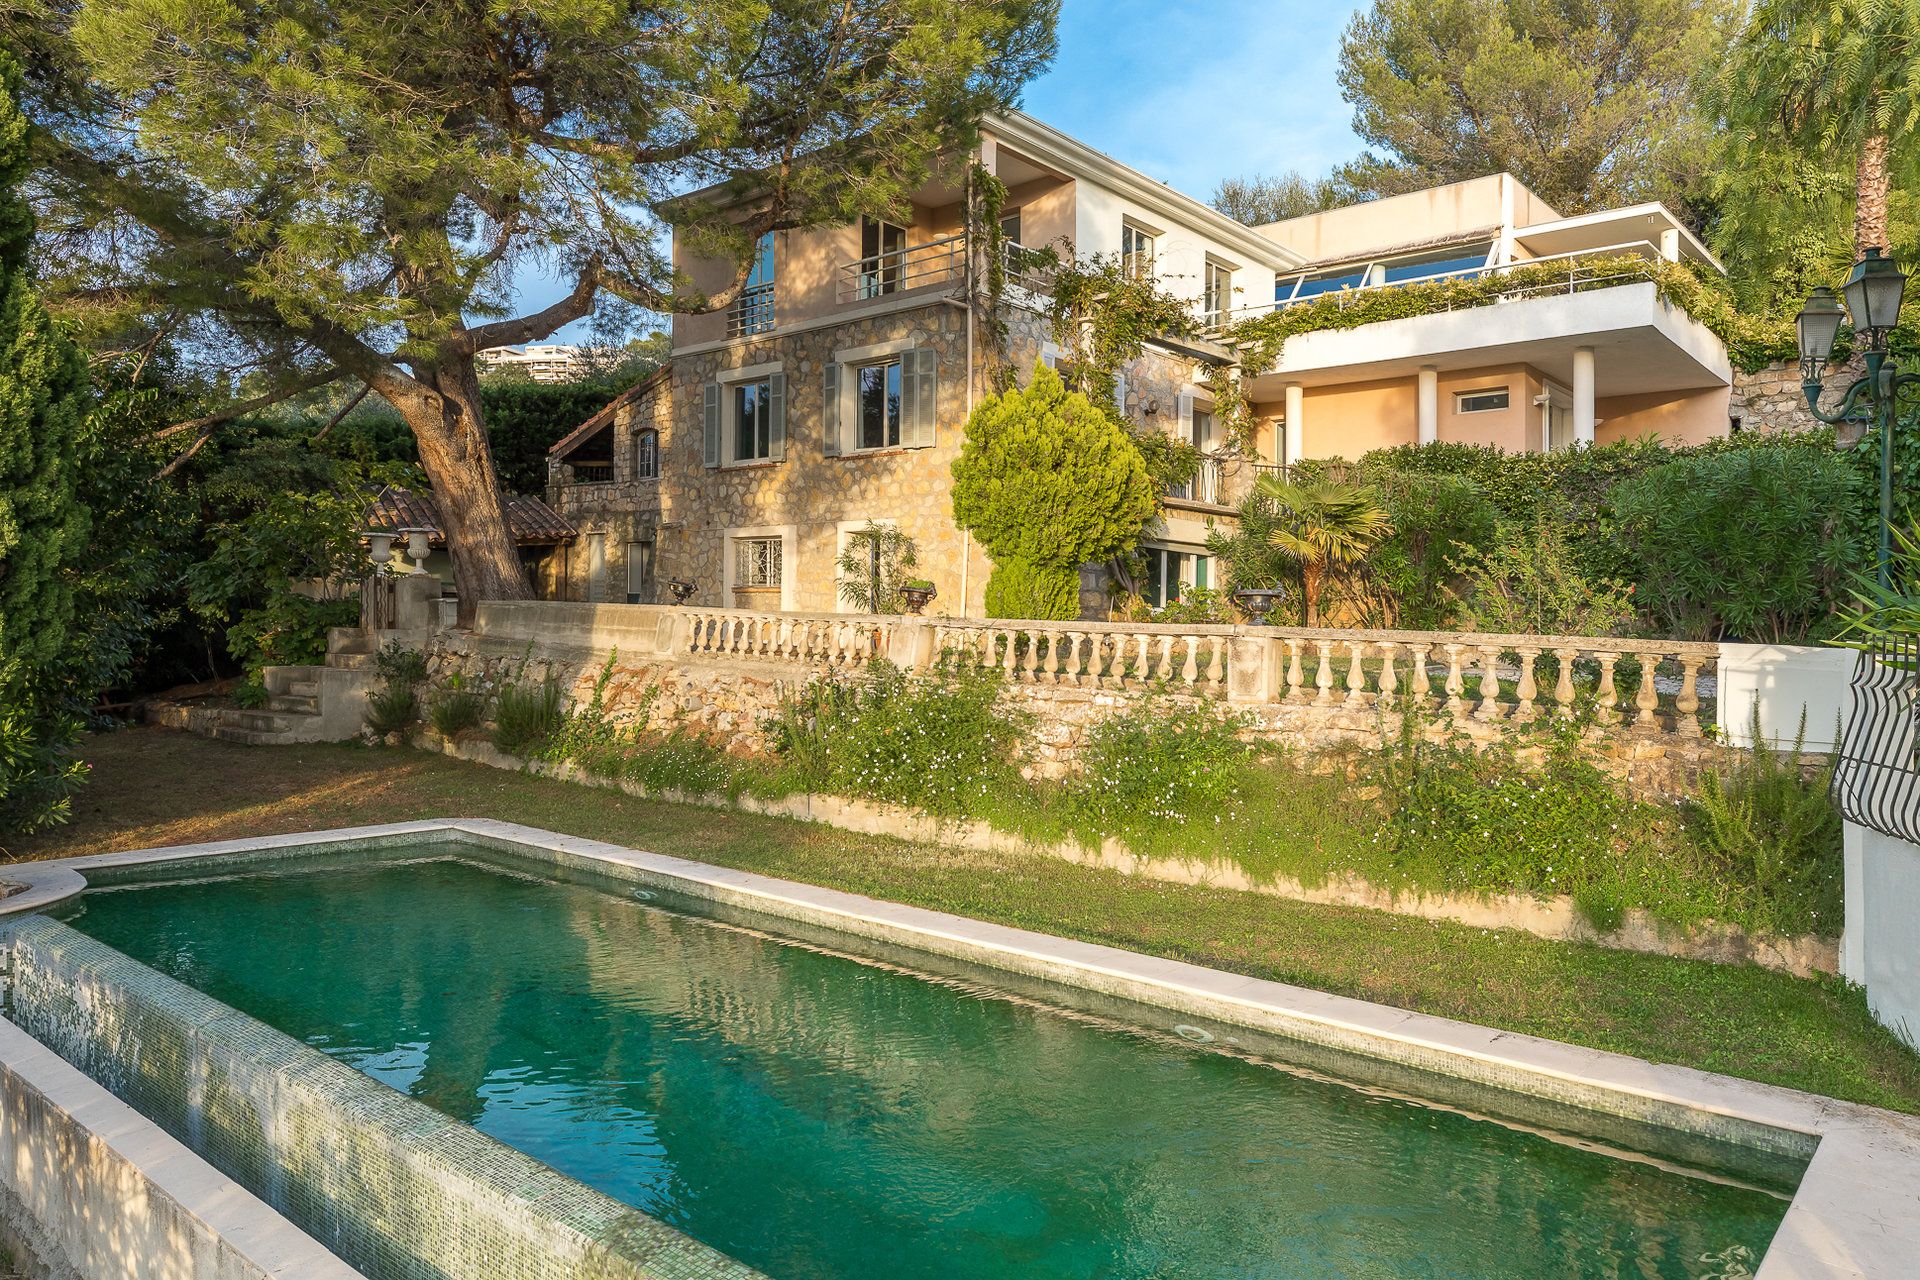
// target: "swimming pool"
[[822, 1107]]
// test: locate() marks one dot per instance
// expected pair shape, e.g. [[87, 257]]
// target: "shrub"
[[527, 713], [1017, 589], [457, 707], [942, 743], [396, 705], [873, 568], [1772, 827], [1751, 544], [1047, 481], [1527, 584], [1161, 762], [1437, 520]]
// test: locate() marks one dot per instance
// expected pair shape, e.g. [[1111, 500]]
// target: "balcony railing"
[[593, 473], [915, 267], [1204, 487], [751, 312], [1580, 274]]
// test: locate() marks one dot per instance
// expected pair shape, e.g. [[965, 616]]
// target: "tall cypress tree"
[[43, 526]]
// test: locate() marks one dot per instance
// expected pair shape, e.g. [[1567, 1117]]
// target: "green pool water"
[[825, 1117]]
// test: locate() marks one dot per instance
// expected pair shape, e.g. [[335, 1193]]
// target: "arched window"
[[646, 454]]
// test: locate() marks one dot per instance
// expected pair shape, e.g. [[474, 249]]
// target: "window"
[[1480, 401], [883, 251], [1216, 298], [1450, 262], [1136, 250], [877, 402], [752, 422], [1010, 227], [646, 454], [640, 584], [757, 562], [753, 310], [1168, 571]]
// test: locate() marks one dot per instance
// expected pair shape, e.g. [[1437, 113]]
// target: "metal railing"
[[1876, 775], [1580, 275], [1204, 487], [1020, 276], [915, 267], [751, 312]]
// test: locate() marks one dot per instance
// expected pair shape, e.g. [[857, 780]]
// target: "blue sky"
[[1186, 91]]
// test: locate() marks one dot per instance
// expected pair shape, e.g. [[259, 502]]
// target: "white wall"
[[1181, 251], [1881, 946], [1784, 680]]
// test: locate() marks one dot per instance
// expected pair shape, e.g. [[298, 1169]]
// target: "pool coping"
[[1854, 1216]]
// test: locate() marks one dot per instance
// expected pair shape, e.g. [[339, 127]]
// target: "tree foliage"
[[1265, 198], [1048, 482], [44, 401], [1325, 527], [1588, 102], [349, 188]]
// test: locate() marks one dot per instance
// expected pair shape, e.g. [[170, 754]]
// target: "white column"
[[1296, 444], [1670, 244], [1583, 418], [1429, 411]]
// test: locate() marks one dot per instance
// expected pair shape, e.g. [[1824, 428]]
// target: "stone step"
[[303, 688], [246, 737], [348, 640], [290, 679], [254, 721], [299, 704], [350, 661]]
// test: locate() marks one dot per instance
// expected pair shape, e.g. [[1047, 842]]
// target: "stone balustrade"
[[833, 640], [1648, 685]]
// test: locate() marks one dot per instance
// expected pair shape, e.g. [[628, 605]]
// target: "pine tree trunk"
[[1870, 196], [452, 437]]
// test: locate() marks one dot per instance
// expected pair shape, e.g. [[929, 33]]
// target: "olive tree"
[[348, 189]]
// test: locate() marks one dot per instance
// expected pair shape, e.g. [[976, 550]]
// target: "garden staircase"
[[324, 703]]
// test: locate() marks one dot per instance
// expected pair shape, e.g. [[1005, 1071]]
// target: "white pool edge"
[[1856, 1212]]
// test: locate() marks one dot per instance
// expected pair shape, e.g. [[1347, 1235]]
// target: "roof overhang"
[[1610, 228], [1641, 344]]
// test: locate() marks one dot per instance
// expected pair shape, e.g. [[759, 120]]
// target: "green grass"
[[153, 787]]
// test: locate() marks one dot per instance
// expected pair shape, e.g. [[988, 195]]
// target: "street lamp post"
[[1873, 293]]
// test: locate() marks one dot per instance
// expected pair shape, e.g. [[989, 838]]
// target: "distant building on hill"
[[541, 361]]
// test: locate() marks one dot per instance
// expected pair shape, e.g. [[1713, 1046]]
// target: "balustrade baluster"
[[1489, 683], [1687, 722], [1527, 690], [1190, 671], [1323, 677], [1456, 680], [1646, 699], [1217, 667], [1563, 687], [1606, 698], [1143, 659], [1035, 639], [1085, 659], [1164, 672], [1012, 665], [1420, 684], [1356, 673], [1389, 681], [1296, 678]]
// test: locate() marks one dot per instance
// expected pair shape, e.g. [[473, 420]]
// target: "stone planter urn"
[[916, 596]]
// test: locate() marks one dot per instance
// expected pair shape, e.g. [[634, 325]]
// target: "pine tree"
[[1047, 482], [43, 526]]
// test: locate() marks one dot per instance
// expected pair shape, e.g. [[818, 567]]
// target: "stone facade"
[[687, 518], [1771, 399]]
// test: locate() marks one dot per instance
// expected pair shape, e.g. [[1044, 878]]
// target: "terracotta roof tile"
[[533, 522]]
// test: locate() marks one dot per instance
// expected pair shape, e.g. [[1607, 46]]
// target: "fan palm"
[[1324, 526]]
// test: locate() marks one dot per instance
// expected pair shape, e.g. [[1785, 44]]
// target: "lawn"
[[156, 787]]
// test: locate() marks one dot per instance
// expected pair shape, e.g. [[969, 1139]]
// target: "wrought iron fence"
[[1876, 776]]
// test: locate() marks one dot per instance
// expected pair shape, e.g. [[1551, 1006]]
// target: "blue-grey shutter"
[[1186, 418], [777, 416], [711, 435], [830, 413], [919, 383], [1120, 395]]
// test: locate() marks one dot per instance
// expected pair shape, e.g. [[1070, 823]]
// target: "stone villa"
[[834, 391]]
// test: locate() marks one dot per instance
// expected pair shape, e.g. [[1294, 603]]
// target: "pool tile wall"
[[392, 1187]]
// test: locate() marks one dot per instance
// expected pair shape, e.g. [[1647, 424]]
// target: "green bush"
[[1016, 589], [1772, 826], [393, 708], [1527, 583], [456, 707], [1752, 544], [1437, 519], [1161, 763], [527, 714], [943, 743]]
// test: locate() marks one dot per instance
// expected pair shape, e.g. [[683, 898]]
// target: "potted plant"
[[916, 594]]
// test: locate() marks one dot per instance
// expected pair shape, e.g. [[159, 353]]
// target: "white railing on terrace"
[[1089, 655], [914, 267], [1206, 486], [836, 640], [1579, 275]]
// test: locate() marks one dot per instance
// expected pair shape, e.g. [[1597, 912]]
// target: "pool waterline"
[[911, 1120]]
